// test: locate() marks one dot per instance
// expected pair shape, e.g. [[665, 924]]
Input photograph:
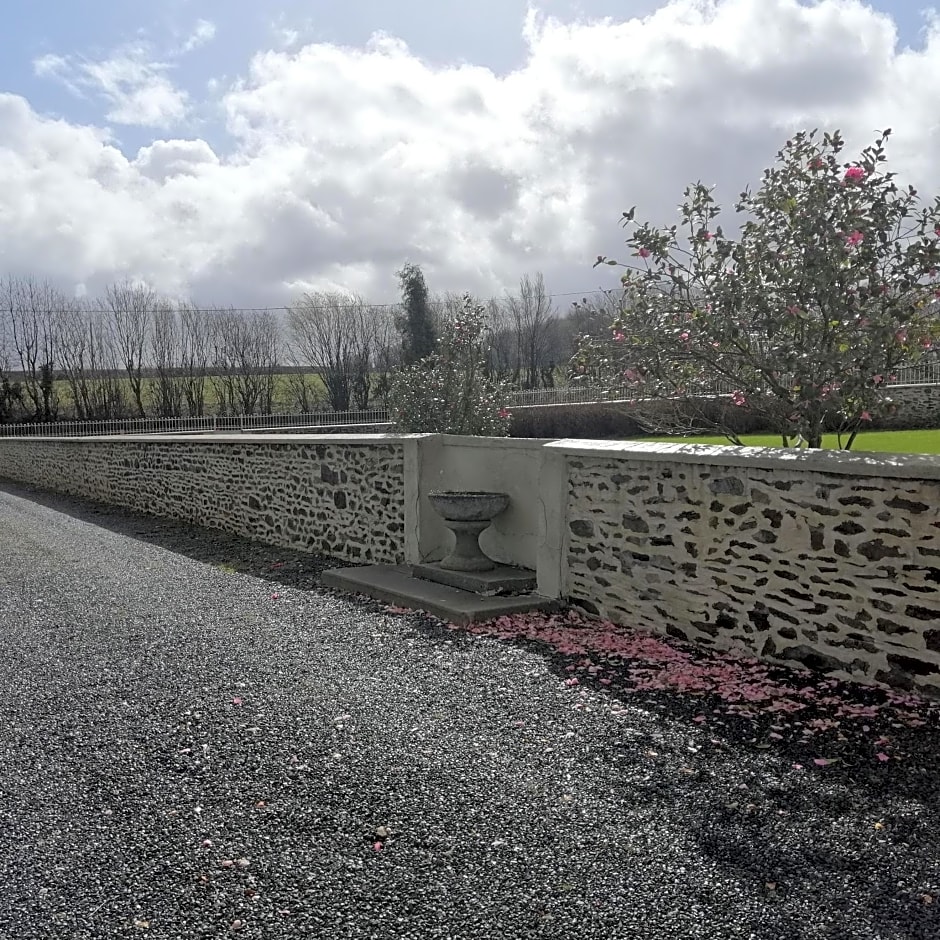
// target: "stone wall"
[[828, 559], [918, 406], [341, 496], [824, 558]]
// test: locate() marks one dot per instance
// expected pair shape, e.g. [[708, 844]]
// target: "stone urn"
[[467, 515]]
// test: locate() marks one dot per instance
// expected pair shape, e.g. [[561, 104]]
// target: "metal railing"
[[215, 424], [927, 373]]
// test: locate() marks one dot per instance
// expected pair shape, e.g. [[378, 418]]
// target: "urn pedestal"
[[468, 515]]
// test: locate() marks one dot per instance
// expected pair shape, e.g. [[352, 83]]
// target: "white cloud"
[[203, 32], [342, 163], [135, 89], [165, 159]]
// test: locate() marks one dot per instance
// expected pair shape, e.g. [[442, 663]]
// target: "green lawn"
[[894, 442]]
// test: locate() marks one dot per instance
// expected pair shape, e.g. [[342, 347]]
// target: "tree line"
[[133, 352]]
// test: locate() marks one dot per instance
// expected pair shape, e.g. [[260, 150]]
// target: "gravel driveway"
[[198, 741]]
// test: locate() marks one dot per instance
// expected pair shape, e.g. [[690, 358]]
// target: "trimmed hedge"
[[611, 421]]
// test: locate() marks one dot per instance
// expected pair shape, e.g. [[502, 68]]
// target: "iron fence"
[[378, 418], [215, 424], [926, 373]]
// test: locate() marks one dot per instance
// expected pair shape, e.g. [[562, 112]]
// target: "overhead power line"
[[283, 308]]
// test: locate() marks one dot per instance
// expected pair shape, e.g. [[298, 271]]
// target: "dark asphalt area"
[[196, 740]]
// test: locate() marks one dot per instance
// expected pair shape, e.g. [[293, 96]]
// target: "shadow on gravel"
[[284, 566], [862, 832]]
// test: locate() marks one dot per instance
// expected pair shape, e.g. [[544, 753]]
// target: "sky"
[[240, 153]]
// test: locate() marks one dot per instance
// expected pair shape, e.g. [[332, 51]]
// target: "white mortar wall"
[[497, 464]]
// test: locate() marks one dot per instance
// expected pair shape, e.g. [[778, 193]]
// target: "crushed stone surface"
[[197, 740]]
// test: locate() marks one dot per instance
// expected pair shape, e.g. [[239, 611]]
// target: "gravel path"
[[197, 741]]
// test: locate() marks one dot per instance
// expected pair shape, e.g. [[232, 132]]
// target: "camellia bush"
[[449, 391], [830, 285]]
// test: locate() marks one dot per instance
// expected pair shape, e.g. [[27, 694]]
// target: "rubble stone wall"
[[827, 559], [340, 496]]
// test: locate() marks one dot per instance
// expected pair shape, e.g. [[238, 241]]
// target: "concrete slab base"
[[395, 584], [500, 580]]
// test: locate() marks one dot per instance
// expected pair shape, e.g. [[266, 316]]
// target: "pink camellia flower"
[[865, 416], [854, 238], [737, 398], [644, 252], [878, 379], [793, 310], [936, 231], [901, 336], [504, 412], [816, 163], [619, 337], [684, 336], [707, 236], [854, 174], [631, 375]]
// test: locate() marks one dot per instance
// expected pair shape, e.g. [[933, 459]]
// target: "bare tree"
[[131, 310], [335, 334], [266, 331], [531, 315], [503, 360], [195, 354], [33, 308], [386, 356], [90, 364], [246, 353], [166, 391], [304, 393], [445, 308], [588, 318], [11, 390], [73, 350]]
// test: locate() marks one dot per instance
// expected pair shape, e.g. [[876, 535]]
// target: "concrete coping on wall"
[[467, 440], [839, 462]]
